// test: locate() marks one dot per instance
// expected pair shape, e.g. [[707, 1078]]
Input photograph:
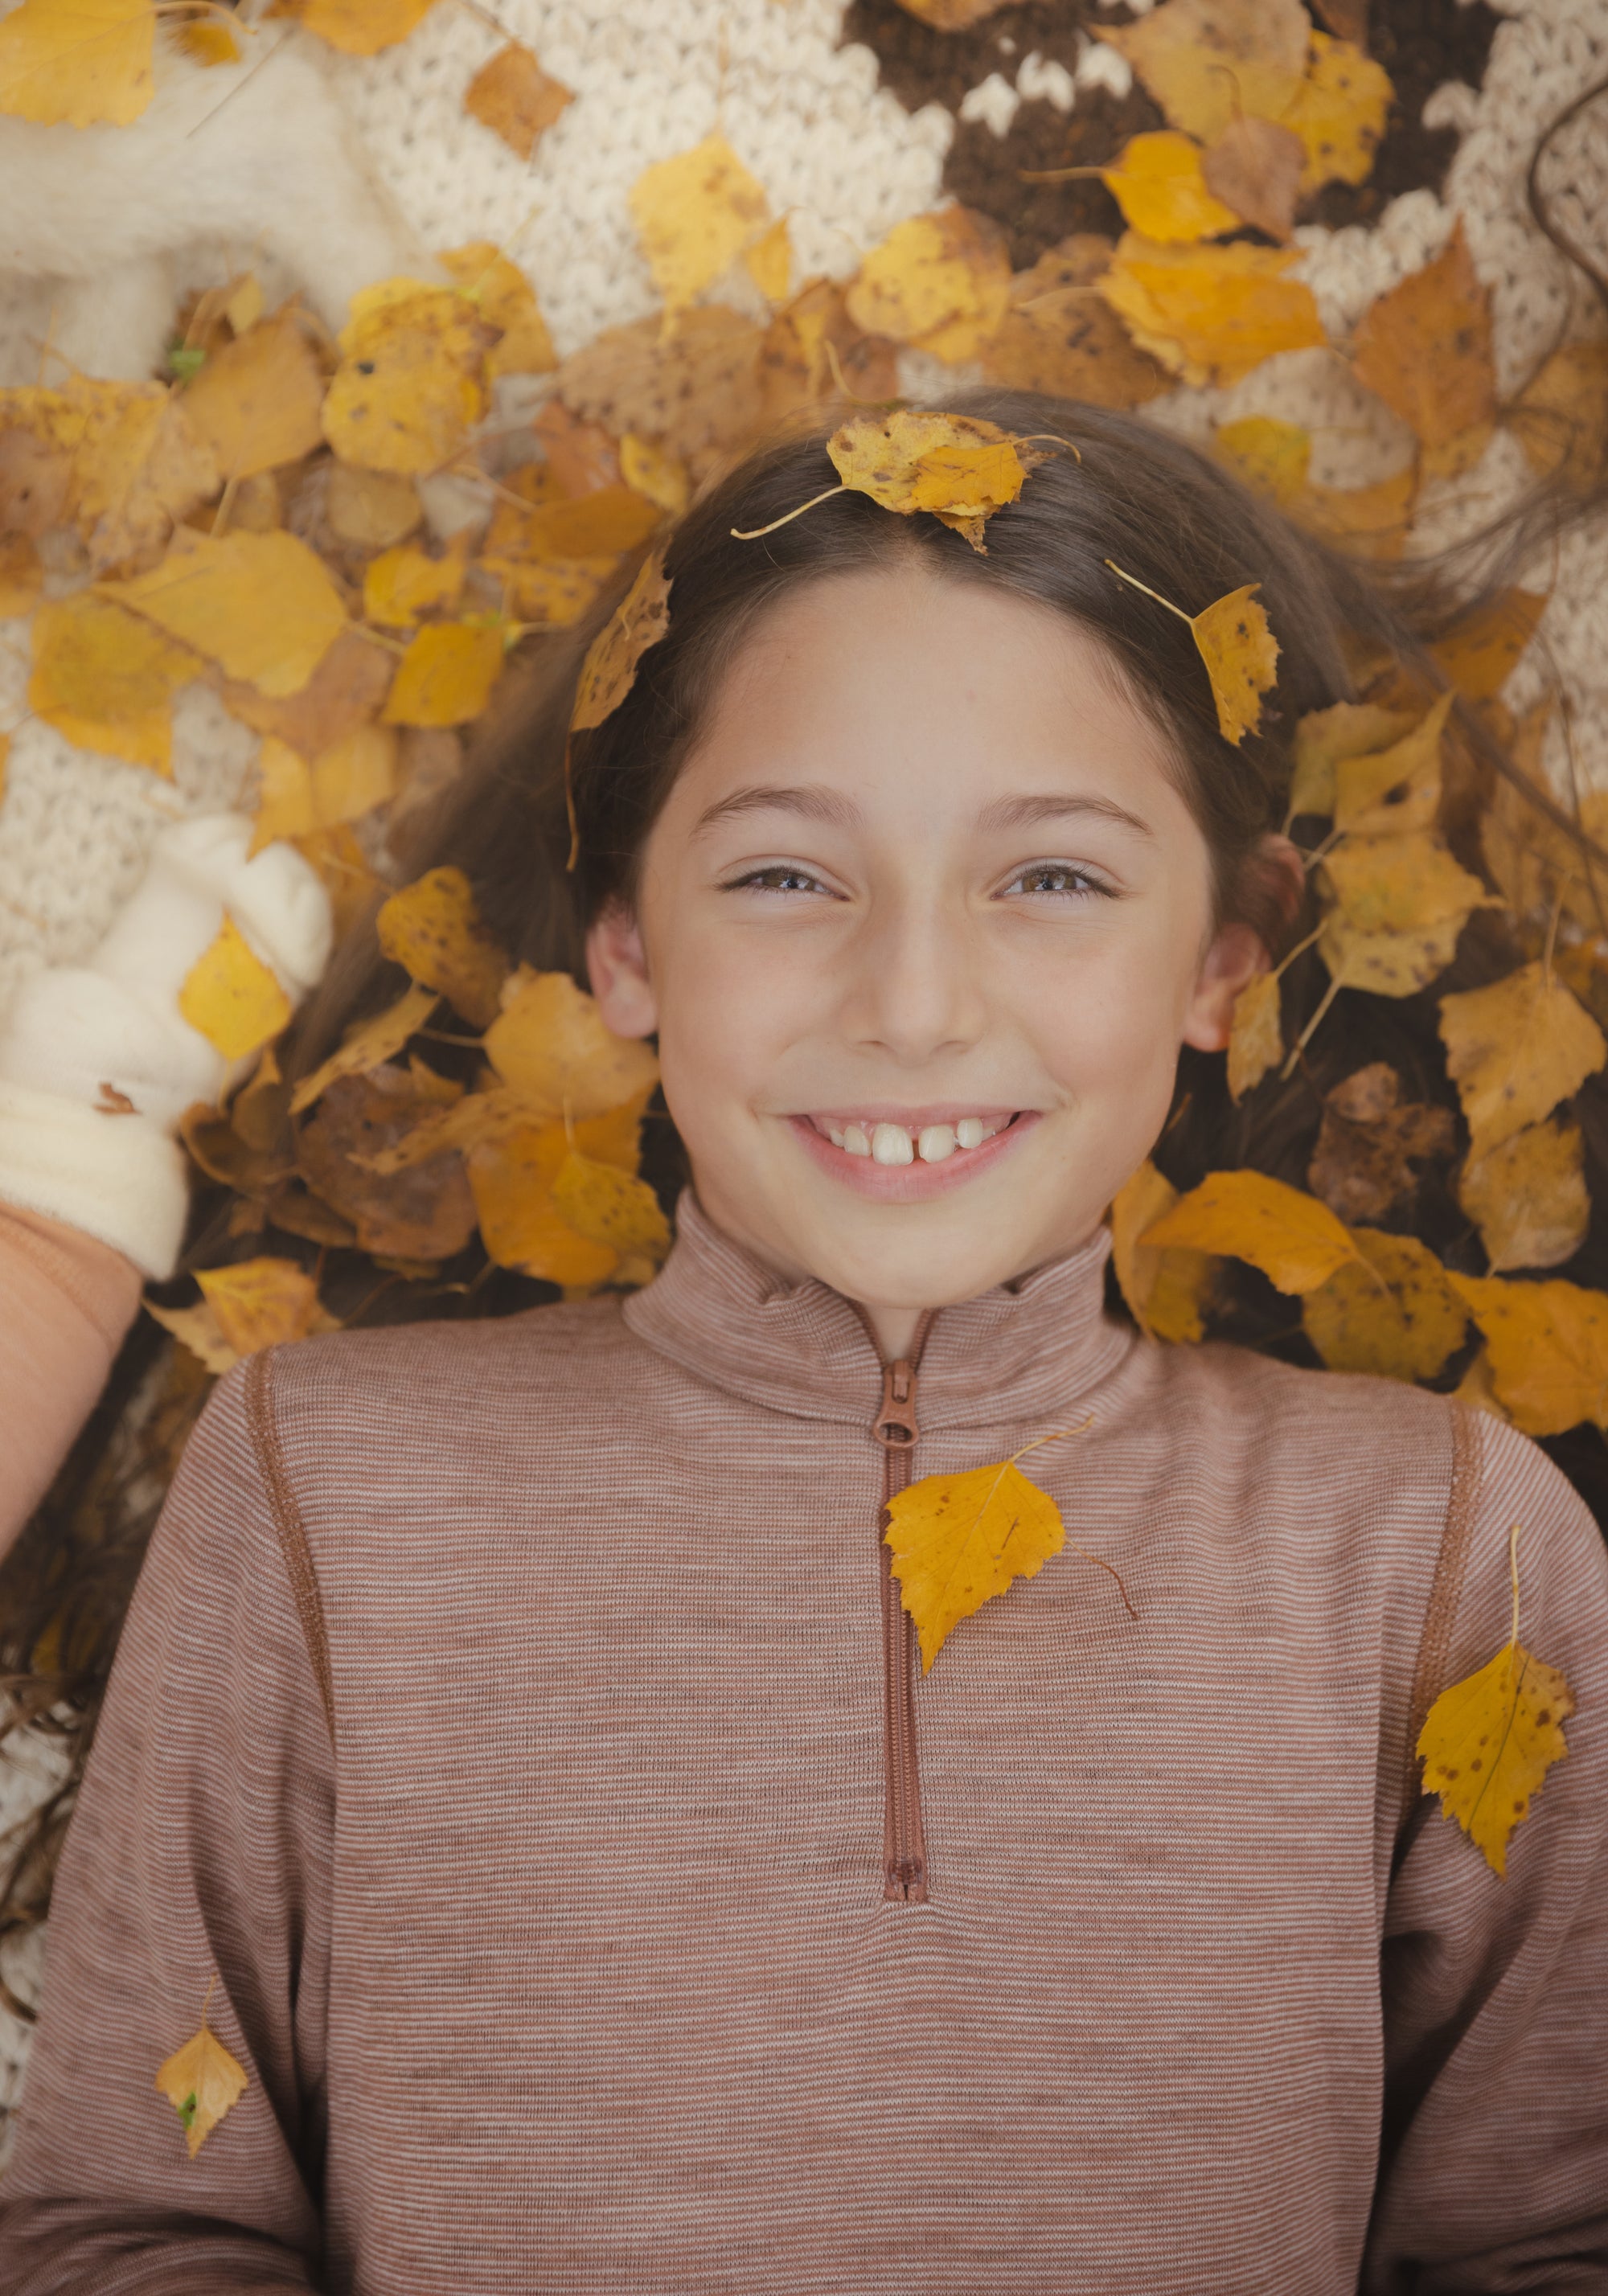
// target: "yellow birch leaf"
[[1390, 1311], [1210, 313], [549, 1044], [499, 290], [232, 997], [553, 593], [1158, 184], [408, 387], [198, 1329], [77, 62], [768, 262], [1488, 1743], [446, 676], [605, 521], [1480, 653], [284, 800], [1272, 457], [958, 1541], [1339, 111], [1166, 1290], [256, 402], [1389, 962], [368, 1044], [1425, 347], [1528, 1196], [1546, 1345], [353, 776], [653, 470], [432, 930], [201, 2081], [208, 44], [137, 470], [1240, 652], [694, 214], [511, 1179], [1395, 791], [516, 99], [1400, 884], [1255, 167], [1207, 62], [1560, 416], [608, 671], [402, 585], [1296, 1241], [1368, 521], [942, 283], [107, 679], [370, 510], [22, 576], [357, 28], [260, 1303], [1255, 1042], [1516, 1049], [1323, 737], [956, 466], [261, 606], [609, 1207]]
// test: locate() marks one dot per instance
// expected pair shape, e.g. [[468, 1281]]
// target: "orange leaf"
[[516, 99], [432, 928], [1425, 347], [1296, 1242], [447, 674], [942, 283], [1210, 313], [259, 1303]]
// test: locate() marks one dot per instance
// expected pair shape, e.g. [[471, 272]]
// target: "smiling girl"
[[517, 1727]]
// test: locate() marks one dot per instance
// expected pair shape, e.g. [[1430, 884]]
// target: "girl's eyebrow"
[[1028, 812], [816, 802]]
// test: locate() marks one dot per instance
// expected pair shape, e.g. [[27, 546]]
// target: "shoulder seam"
[[1446, 1588], [291, 1531]]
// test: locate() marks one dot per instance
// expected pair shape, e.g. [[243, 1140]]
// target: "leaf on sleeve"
[[203, 2081]]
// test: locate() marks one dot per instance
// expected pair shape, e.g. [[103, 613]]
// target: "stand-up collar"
[[1018, 1352]]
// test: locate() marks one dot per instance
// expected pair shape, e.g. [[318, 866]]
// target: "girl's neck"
[[893, 1328]]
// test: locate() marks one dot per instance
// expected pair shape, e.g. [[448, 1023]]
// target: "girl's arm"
[[198, 1862], [1495, 2159]]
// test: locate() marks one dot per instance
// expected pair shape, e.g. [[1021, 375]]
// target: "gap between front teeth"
[[891, 1144]]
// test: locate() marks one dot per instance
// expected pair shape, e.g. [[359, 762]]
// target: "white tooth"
[[936, 1142], [834, 1136], [855, 1142], [989, 1130], [890, 1144], [969, 1132]]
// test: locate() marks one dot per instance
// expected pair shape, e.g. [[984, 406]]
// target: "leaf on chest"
[[203, 2081]]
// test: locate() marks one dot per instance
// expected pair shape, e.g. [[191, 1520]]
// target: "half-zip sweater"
[[517, 1748]]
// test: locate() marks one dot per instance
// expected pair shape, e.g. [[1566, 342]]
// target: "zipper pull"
[[895, 1426]]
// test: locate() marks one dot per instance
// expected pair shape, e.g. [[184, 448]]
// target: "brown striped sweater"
[[500, 1719]]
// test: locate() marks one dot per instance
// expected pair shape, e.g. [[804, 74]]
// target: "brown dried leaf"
[[343, 694], [1207, 63], [1425, 347], [1061, 336], [516, 99], [608, 671], [1369, 1142], [699, 394], [1255, 167], [424, 1212], [368, 1044]]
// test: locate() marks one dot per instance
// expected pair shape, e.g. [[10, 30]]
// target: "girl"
[[516, 1747]]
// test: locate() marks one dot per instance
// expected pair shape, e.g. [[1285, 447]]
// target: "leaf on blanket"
[[357, 28], [410, 384], [505, 299], [516, 99], [256, 402], [694, 215], [940, 282], [1210, 313], [1426, 346], [1158, 184], [106, 679], [260, 605]]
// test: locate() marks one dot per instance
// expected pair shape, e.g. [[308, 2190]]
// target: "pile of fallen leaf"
[[266, 520]]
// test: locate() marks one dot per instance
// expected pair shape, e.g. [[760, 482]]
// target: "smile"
[[913, 1154]]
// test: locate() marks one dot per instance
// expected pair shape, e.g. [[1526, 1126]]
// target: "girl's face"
[[922, 926]]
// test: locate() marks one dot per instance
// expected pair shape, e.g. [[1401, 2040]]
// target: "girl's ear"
[[617, 966], [1238, 952]]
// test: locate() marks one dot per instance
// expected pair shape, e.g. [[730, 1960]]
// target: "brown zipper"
[[904, 1843]]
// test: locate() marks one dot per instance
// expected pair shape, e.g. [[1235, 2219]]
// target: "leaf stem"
[[1134, 583], [754, 532]]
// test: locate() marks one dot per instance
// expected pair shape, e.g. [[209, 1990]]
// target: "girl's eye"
[[781, 877], [1058, 878]]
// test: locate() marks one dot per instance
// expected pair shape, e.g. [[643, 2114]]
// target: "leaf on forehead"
[[550, 1044], [959, 1540], [106, 679], [1425, 347], [1167, 1290], [1271, 456], [499, 290], [1560, 416], [1323, 737], [1395, 790], [1339, 113], [1480, 652], [260, 1303], [1369, 1142], [77, 64], [367, 1044], [403, 584], [1528, 1197], [425, 1213], [203, 2081], [1296, 1241], [1488, 1743], [261, 606], [1241, 654], [432, 928], [1516, 1049], [516, 99], [232, 997], [1546, 1349], [1210, 313], [1255, 169], [408, 387], [1157, 183], [1061, 337], [1207, 63], [446, 676], [257, 401], [1390, 1312], [958, 467], [1256, 1043], [357, 27], [940, 282], [694, 214], [608, 671]]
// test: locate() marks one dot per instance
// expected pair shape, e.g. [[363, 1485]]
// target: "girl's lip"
[[909, 1183]]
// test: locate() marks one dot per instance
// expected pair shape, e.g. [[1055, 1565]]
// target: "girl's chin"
[[915, 1182]]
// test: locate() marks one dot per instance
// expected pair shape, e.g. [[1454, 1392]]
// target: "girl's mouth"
[[905, 1160]]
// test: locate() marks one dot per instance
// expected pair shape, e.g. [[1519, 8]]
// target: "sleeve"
[[69, 1301], [199, 1857], [1494, 2164]]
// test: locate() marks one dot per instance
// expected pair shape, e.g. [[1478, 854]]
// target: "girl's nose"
[[914, 990]]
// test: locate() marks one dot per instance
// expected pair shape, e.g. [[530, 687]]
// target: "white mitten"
[[82, 1041]]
